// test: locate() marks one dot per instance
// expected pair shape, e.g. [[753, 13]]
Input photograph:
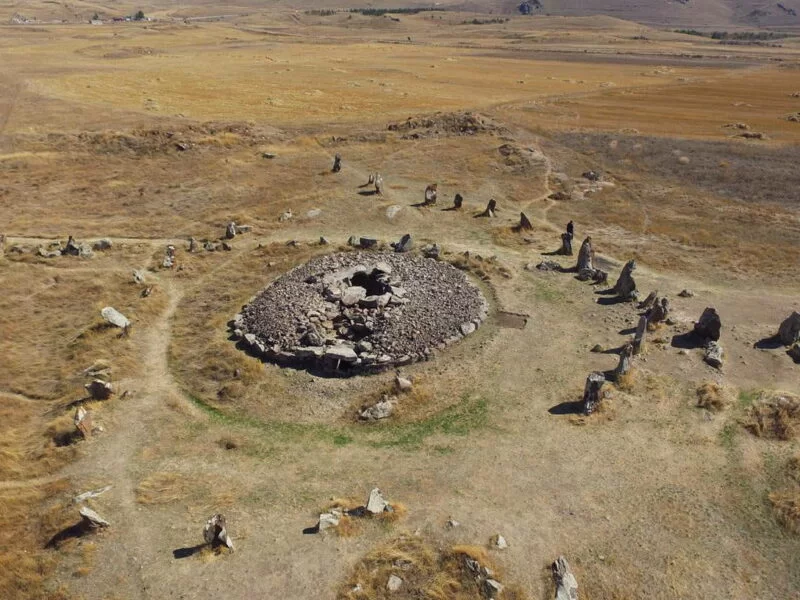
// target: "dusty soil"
[[651, 497]]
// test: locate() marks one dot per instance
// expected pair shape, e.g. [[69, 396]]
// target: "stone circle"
[[354, 312]]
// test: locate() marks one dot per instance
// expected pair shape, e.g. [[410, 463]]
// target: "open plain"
[[673, 150]]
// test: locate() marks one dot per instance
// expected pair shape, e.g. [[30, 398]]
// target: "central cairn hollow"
[[360, 311]]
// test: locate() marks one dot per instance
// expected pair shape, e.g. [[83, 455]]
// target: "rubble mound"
[[360, 311], [444, 124]]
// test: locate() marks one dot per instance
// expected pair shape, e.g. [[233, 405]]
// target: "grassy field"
[[153, 133]]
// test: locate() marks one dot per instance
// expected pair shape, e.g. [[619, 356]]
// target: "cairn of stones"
[[430, 194], [337, 163], [625, 287], [360, 312], [593, 392]]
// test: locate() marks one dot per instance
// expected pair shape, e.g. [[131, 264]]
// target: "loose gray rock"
[[376, 504], [491, 588], [328, 521], [686, 294], [104, 244], [113, 316], [91, 520], [404, 245], [380, 410], [394, 583], [714, 354]]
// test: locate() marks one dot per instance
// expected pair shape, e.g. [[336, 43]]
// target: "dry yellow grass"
[[775, 415], [162, 488], [713, 396], [787, 508]]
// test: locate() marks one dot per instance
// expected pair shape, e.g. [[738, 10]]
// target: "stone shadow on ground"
[[687, 341], [772, 342], [73, 531], [570, 407], [368, 193], [188, 551]]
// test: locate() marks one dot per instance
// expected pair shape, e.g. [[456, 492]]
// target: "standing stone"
[[566, 244], [169, 257], [215, 533], [404, 245], [99, 389], [794, 352], [586, 258], [376, 503], [641, 331], [192, 245], [72, 248], [566, 584], [659, 311], [625, 287], [524, 223], [713, 354], [789, 331], [624, 365], [83, 422], [458, 201], [230, 231], [337, 163], [491, 208], [592, 392], [91, 520], [709, 325], [649, 301], [379, 184], [430, 194]]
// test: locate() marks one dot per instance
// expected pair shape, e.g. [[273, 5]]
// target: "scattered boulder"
[[709, 325], [686, 294], [99, 389], [566, 584], [500, 542], [491, 208], [403, 384], [328, 521], [548, 265], [625, 287], [394, 583], [138, 277], [430, 194], [74, 249], [366, 243], [789, 330], [713, 354], [285, 216], [591, 175], [215, 532], [91, 520], [382, 409], [116, 318], [431, 251], [593, 392], [101, 245], [491, 588]]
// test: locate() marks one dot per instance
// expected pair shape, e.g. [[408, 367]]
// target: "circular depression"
[[360, 311]]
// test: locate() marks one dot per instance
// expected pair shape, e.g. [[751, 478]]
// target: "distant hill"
[[694, 13]]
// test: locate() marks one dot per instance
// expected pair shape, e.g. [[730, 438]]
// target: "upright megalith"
[[566, 244], [566, 584], [405, 244], [709, 325], [524, 223], [378, 184], [789, 330], [624, 365], [625, 287], [638, 337], [659, 312], [491, 208], [458, 201], [586, 257], [593, 392], [337, 163], [430, 194], [215, 532], [230, 231]]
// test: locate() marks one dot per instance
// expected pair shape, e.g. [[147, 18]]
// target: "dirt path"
[[112, 456]]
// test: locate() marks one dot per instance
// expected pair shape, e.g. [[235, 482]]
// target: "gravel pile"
[[361, 311]]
